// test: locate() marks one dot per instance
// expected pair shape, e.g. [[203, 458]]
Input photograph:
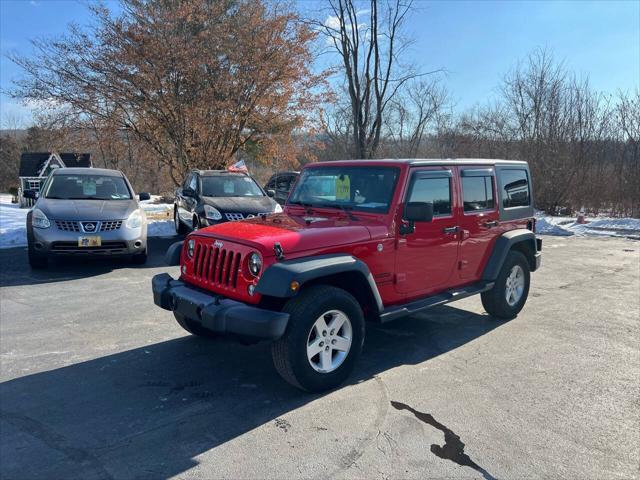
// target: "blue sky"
[[476, 42]]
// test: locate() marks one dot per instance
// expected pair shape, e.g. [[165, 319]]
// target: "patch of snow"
[[594, 226]]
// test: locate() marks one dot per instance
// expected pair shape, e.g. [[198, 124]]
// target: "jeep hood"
[[294, 233]]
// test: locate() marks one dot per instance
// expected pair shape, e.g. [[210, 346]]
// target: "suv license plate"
[[89, 241]]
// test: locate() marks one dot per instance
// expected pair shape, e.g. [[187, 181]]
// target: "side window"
[[193, 183], [477, 193], [515, 188], [271, 184], [434, 190], [283, 182]]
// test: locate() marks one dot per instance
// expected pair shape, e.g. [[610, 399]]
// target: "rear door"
[[426, 259], [478, 219]]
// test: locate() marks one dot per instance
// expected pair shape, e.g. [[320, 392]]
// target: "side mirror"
[[188, 192], [30, 194], [271, 193], [144, 196], [416, 212]]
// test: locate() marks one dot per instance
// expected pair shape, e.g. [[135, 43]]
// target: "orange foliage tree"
[[198, 81]]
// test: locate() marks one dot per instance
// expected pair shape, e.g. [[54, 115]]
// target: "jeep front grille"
[[217, 266]]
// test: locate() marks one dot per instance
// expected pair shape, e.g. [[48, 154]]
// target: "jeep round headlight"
[[39, 219], [191, 245], [255, 264]]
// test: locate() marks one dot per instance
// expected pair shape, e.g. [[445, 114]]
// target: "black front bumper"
[[215, 312]]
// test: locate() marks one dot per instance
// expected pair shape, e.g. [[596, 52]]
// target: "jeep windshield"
[[366, 189], [230, 186], [87, 187]]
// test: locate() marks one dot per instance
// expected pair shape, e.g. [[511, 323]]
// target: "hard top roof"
[[425, 161], [211, 173]]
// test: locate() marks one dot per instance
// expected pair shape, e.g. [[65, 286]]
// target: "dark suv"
[[209, 197], [369, 239]]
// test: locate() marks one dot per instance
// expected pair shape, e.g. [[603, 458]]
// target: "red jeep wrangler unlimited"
[[366, 239]]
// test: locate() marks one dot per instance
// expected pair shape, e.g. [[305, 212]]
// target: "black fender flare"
[[276, 279], [501, 248], [172, 257]]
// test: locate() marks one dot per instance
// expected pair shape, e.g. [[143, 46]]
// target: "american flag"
[[238, 167]]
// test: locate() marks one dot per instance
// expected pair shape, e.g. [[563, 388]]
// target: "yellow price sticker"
[[343, 188]]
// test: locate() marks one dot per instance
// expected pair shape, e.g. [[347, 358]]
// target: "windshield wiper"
[[348, 209], [307, 206]]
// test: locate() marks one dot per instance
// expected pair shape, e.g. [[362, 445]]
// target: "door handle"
[[450, 230], [493, 223]]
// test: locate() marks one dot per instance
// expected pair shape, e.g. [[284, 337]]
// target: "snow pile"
[[594, 226], [13, 220]]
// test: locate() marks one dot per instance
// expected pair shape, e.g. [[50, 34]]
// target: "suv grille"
[[68, 225], [74, 226], [216, 265], [108, 225], [234, 216]]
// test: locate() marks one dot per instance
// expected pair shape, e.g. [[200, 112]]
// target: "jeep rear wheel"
[[510, 292], [323, 340], [192, 327]]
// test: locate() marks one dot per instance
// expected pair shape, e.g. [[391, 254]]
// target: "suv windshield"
[[87, 187], [230, 186], [367, 189]]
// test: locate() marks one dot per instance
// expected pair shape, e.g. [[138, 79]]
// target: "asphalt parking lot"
[[98, 383]]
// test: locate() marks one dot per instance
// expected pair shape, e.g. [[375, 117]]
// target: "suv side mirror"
[[144, 196], [416, 212], [271, 193], [30, 194], [188, 192]]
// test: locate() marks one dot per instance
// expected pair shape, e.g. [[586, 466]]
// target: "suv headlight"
[[136, 219], [212, 213], [278, 208], [39, 219], [255, 264]]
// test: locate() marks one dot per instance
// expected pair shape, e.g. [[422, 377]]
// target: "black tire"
[[192, 327], [494, 301], [37, 260], [196, 223], [181, 229], [140, 258], [290, 352]]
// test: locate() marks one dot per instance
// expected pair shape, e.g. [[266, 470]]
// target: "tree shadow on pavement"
[[149, 412], [15, 270]]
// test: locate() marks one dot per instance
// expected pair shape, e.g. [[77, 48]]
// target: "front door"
[[426, 259]]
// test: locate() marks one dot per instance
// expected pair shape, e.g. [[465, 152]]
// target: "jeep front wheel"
[[323, 340], [510, 292]]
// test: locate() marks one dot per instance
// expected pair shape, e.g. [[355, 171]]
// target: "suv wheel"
[[192, 327], [196, 223], [510, 292], [36, 260], [323, 340], [180, 228], [140, 258]]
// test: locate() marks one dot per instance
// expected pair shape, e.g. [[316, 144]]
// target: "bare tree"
[[369, 44]]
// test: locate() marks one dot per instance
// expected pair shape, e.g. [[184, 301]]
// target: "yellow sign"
[[343, 188]]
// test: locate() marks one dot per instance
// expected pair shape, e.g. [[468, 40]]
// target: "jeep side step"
[[398, 311]]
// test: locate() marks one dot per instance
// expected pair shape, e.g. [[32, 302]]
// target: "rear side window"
[[515, 188], [477, 193], [435, 190]]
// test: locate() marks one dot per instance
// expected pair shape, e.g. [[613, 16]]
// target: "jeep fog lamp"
[[255, 264], [251, 290], [191, 245]]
